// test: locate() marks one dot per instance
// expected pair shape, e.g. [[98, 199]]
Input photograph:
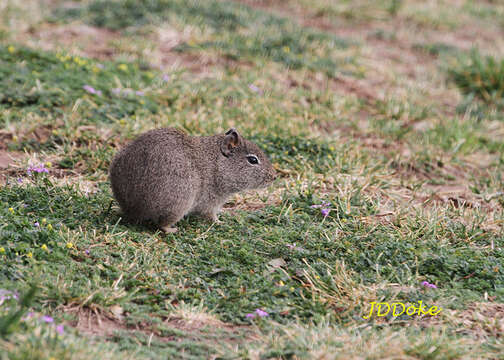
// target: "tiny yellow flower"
[[44, 247], [44, 220], [95, 69], [30, 255], [344, 220], [11, 210], [286, 49], [281, 283], [331, 148], [149, 74], [2, 250], [69, 245], [292, 289], [122, 122], [11, 49], [15, 138], [123, 67], [48, 164], [142, 102], [49, 227]]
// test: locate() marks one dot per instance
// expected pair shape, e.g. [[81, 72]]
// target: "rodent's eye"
[[252, 159]]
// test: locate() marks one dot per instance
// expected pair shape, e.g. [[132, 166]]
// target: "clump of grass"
[[480, 76], [239, 31], [326, 341], [436, 48], [47, 83]]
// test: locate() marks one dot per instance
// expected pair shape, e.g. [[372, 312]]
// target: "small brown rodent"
[[166, 174]]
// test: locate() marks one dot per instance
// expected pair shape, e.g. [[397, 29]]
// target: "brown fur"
[[165, 174]]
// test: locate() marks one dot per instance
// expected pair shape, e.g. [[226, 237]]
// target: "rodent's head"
[[242, 164]]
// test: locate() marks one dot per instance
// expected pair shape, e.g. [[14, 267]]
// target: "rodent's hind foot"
[[168, 229]]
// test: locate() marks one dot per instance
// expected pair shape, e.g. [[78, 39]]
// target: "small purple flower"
[[139, 93], [38, 169], [36, 224], [60, 329], [291, 246], [254, 88], [261, 313], [166, 77], [92, 90], [325, 207], [87, 252], [257, 312], [429, 285], [20, 180], [47, 319]]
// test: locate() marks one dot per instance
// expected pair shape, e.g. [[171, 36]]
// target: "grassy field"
[[384, 120]]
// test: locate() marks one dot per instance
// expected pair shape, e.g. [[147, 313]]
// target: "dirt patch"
[[84, 39], [93, 322], [7, 160], [96, 322], [388, 53], [5, 137]]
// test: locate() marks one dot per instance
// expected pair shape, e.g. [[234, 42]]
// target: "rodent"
[[165, 174]]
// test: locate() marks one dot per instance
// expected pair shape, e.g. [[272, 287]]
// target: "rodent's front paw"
[[169, 230]]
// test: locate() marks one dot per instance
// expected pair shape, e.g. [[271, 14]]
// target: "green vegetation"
[[39, 82], [390, 161], [481, 76], [237, 31]]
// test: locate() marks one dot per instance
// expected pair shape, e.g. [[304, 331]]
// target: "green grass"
[[410, 164], [238, 31], [480, 76], [51, 83]]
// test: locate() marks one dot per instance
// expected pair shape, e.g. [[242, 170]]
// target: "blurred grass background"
[[389, 111]]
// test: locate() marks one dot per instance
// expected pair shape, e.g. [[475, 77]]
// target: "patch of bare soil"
[[392, 61], [92, 322], [87, 40], [96, 322], [7, 158]]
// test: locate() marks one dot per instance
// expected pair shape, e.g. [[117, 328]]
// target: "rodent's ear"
[[231, 140]]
